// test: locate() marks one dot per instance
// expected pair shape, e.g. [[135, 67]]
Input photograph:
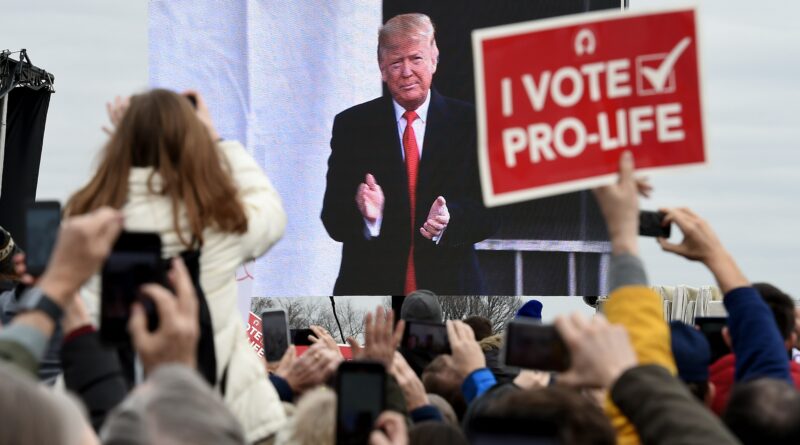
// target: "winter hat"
[[531, 309], [421, 305], [691, 351]]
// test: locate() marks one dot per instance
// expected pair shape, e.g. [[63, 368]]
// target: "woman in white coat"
[[169, 172]]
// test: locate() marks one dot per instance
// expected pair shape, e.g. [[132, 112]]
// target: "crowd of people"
[[193, 379]]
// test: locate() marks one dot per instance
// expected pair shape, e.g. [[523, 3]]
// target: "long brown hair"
[[161, 130]]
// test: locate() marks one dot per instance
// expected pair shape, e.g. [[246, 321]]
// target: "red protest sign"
[[256, 338], [559, 100]]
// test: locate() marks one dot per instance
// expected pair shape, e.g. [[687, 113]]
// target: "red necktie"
[[412, 161]]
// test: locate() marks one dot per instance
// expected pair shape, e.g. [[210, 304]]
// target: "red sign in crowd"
[[256, 336], [560, 99]]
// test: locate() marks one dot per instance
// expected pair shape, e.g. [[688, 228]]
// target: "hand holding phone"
[[135, 260]]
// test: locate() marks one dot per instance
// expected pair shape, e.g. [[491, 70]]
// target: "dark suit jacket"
[[366, 140]]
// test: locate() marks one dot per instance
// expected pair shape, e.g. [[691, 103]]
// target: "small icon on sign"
[[654, 72], [585, 42]]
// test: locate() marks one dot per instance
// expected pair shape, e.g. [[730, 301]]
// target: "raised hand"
[[116, 111], [381, 338], [600, 352], [369, 199], [438, 218], [700, 243], [467, 354]]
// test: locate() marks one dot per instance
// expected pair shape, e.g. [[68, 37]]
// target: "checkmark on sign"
[[655, 71]]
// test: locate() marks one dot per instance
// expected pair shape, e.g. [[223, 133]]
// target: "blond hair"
[[407, 26]]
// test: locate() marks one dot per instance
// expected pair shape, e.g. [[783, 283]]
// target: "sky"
[[750, 57]]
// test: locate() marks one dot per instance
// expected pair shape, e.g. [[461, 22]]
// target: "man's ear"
[[727, 337]]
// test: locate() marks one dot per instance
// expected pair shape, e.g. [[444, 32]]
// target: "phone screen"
[[532, 345], [428, 336], [134, 260], [711, 327], [276, 334], [300, 336], [650, 224], [41, 228], [361, 397]]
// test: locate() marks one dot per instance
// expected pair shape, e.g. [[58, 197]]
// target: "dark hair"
[[435, 433], [782, 307], [440, 377], [556, 412], [481, 326], [764, 411]]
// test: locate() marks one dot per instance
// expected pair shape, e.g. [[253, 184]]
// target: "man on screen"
[[403, 194]]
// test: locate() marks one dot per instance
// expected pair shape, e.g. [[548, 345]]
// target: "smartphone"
[[426, 335], [42, 219], [360, 398], [300, 336], [711, 327], [531, 345], [275, 327], [135, 260], [651, 224]]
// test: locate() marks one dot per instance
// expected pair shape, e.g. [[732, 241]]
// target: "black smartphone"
[[360, 398], [300, 336], [532, 345], [135, 260], [426, 335], [711, 327], [42, 219], [275, 328], [651, 224]]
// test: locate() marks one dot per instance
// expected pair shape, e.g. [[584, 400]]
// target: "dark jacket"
[[664, 412], [755, 338], [365, 139]]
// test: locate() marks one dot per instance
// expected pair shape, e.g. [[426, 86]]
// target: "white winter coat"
[[249, 394]]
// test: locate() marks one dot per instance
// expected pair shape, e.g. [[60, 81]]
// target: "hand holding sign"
[[551, 124], [369, 199]]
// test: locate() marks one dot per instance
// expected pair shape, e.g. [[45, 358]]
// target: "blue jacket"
[[756, 341]]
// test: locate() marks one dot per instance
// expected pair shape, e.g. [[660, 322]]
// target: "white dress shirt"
[[372, 230]]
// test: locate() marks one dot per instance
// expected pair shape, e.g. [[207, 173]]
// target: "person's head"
[[35, 414], [764, 411], [161, 130], [783, 311], [176, 406], [531, 309], [693, 357], [442, 377], [407, 57], [481, 326], [421, 305], [318, 408], [782, 307], [444, 407], [435, 433], [556, 413]]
